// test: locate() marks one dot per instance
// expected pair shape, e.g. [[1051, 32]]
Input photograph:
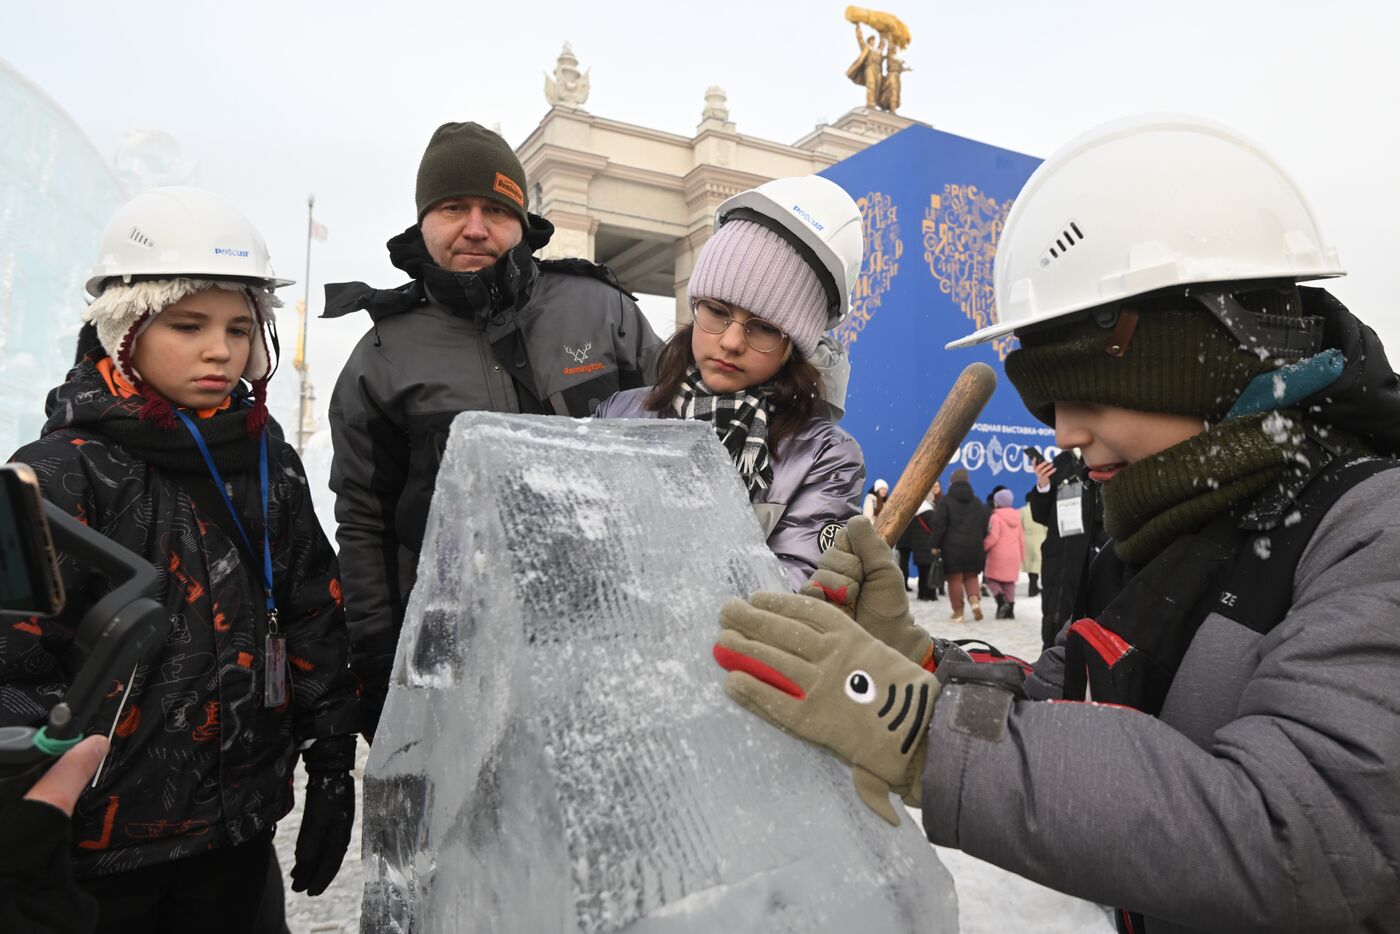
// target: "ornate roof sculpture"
[[569, 87]]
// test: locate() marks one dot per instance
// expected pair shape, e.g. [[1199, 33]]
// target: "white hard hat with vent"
[[181, 232], [817, 216], [1149, 204]]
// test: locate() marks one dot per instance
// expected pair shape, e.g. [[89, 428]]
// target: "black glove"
[[372, 661], [328, 814]]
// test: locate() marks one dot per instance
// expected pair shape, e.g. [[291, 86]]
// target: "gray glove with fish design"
[[808, 668]]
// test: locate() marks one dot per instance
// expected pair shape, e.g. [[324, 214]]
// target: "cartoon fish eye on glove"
[[810, 670]]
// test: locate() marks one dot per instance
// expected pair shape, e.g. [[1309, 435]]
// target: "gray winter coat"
[[1266, 795], [413, 373], [817, 478]]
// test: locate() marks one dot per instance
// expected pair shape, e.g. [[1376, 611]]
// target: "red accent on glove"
[[837, 597], [731, 660]]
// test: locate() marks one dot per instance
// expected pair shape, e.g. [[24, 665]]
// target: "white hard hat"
[[186, 232], [823, 219], [1146, 204]]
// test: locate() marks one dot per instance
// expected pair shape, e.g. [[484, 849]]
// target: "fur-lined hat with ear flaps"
[[123, 312]]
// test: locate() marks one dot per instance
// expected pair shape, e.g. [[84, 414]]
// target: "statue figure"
[[865, 70], [876, 68], [889, 88], [569, 86]]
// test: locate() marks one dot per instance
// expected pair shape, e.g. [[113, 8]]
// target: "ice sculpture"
[[557, 753]]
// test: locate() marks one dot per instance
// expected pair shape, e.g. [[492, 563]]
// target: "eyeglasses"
[[758, 334]]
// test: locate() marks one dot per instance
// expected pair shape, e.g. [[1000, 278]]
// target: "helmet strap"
[[1284, 336], [1123, 320]]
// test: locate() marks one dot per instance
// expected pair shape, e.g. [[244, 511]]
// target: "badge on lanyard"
[[275, 657], [275, 644], [1069, 509]]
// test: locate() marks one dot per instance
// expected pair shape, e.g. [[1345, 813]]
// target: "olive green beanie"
[[464, 159], [1179, 359]]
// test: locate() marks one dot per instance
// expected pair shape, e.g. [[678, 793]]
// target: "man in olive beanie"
[[482, 325], [466, 159], [471, 200]]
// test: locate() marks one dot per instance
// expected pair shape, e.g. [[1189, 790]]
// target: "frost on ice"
[[557, 753]]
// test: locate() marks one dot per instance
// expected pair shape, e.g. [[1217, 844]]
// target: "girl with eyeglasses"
[[776, 274]]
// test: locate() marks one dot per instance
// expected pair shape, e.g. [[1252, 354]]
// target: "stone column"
[[574, 235], [562, 191], [686, 249]]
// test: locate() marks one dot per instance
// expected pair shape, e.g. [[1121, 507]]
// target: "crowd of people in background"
[[965, 548]]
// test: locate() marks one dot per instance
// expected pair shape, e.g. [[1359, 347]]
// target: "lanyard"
[[262, 482], [275, 644]]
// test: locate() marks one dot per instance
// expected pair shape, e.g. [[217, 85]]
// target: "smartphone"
[[1034, 455], [29, 581]]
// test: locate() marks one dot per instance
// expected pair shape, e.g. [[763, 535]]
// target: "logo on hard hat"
[[816, 224], [229, 251]]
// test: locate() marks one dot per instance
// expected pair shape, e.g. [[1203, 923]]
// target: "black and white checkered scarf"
[[740, 420]]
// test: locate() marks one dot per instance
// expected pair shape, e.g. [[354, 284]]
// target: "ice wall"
[[56, 193], [557, 753]]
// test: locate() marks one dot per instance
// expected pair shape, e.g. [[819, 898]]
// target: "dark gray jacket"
[[818, 474], [578, 338], [1266, 796]]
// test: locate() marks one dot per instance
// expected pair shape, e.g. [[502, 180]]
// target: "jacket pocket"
[[583, 399]]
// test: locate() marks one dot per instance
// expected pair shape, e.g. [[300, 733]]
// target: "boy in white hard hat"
[[160, 440], [1240, 767]]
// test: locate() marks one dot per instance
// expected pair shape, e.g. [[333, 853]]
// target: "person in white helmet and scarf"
[[755, 364]]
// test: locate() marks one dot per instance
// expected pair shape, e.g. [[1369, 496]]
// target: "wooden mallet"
[[954, 420]]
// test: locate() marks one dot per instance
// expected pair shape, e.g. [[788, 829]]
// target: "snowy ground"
[[989, 899]]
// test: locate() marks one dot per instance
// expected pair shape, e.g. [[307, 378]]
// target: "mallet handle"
[[954, 420]]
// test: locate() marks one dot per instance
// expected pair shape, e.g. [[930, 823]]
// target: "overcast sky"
[[275, 101]]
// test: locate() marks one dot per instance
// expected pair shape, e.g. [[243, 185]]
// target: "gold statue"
[[889, 88], [876, 68]]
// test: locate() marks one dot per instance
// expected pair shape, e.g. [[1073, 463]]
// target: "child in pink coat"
[[1004, 544]]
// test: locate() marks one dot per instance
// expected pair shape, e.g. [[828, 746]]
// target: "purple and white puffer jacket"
[[818, 475]]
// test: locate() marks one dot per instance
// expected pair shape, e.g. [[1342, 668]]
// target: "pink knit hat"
[[748, 265]]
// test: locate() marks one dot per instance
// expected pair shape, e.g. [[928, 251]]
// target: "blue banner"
[[933, 206]]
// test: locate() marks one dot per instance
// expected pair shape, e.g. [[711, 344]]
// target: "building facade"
[[642, 201]]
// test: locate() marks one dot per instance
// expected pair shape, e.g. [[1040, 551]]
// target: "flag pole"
[[300, 360]]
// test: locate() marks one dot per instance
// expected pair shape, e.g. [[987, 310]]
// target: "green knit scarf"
[[1149, 503]]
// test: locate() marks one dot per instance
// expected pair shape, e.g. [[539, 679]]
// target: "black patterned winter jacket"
[[197, 760]]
